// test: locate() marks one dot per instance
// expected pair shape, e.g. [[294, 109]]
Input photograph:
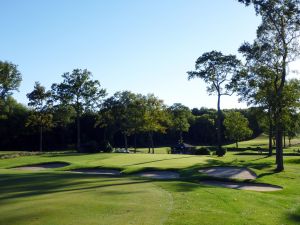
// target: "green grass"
[[58, 197]]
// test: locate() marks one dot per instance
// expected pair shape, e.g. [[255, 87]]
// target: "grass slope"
[[58, 197]]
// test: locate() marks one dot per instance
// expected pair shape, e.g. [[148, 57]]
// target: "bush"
[[202, 151], [169, 150], [89, 147], [221, 152]]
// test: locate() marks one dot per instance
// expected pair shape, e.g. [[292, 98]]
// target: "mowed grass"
[[55, 196]]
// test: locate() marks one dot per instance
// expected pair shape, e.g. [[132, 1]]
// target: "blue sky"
[[145, 46]]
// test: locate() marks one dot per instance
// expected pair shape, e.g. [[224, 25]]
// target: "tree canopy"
[[217, 70]]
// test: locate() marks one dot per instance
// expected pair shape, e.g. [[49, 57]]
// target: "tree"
[[39, 100], [217, 71], [254, 84], [79, 91], [180, 119], [237, 127], [123, 112], [10, 79], [156, 118], [277, 45]]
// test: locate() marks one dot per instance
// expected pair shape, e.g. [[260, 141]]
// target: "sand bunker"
[[244, 186], [229, 172], [42, 166], [159, 174], [97, 171]]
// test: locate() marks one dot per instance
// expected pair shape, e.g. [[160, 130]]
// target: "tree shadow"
[[28, 185], [293, 161], [294, 217], [158, 160]]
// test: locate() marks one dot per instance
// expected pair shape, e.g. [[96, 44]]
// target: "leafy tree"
[[79, 91], [156, 118], [254, 84], [123, 112], [292, 126], [39, 100], [237, 127], [181, 117], [276, 46], [63, 116], [10, 79], [217, 70]]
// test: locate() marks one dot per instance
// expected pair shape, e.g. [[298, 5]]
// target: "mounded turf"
[[54, 196]]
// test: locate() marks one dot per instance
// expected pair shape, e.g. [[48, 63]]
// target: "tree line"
[[77, 108], [260, 79]]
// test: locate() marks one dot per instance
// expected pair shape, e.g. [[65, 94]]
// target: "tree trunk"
[[279, 150], [78, 131], [290, 142], [125, 142], [284, 144], [152, 142], [41, 138], [180, 137], [279, 140], [279, 106], [219, 114], [236, 144], [149, 143], [270, 134], [134, 142]]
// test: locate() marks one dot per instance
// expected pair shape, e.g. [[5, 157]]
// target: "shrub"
[[89, 147], [169, 150], [202, 151], [221, 152]]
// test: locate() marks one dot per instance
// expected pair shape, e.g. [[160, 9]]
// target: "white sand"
[[97, 171], [244, 186], [229, 172], [42, 166], [159, 174]]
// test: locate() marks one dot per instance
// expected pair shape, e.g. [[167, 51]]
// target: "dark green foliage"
[[79, 91], [89, 147], [105, 146], [181, 117], [221, 152], [39, 101], [237, 127], [202, 151], [10, 79], [268, 58]]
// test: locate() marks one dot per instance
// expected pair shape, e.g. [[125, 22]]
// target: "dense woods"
[[62, 134]]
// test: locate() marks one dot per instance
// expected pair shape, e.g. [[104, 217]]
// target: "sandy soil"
[[159, 174], [97, 171], [244, 186], [229, 172], [43, 166]]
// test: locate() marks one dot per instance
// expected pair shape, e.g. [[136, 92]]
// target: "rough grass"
[[58, 197]]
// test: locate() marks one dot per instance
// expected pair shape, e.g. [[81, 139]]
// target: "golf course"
[[60, 196], [127, 112]]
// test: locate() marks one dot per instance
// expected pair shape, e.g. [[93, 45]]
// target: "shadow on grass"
[[294, 217], [159, 160], [29, 185], [293, 161]]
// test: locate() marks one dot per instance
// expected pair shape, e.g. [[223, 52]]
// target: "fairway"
[[56, 196]]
